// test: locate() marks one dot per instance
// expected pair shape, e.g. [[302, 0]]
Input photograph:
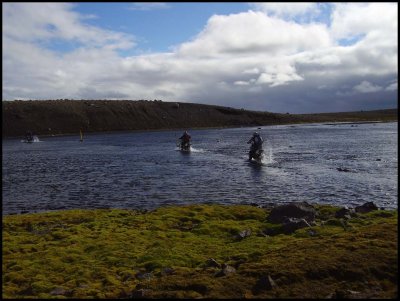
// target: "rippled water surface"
[[146, 170]]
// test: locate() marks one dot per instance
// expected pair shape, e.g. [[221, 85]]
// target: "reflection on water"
[[146, 170]]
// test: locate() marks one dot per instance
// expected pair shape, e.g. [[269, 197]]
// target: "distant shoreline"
[[361, 122], [200, 128], [65, 117]]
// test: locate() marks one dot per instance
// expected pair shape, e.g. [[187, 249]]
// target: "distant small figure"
[[81, 134], [29, 136], [256, 145], [185, 140]]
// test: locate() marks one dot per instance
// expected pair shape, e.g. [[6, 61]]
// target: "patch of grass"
[[113, 253]]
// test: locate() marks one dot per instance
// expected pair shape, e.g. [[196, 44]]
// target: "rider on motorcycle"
[[256, 145], [29, 136], [185, 140]]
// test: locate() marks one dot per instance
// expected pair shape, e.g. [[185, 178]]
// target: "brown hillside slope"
[[55, 117]]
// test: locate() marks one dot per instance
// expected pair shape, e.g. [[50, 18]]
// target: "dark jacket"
[[185, 138], [257, 141]]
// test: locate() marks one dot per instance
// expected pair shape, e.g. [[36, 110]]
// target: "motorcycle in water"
[[29, 138], [184, 147], [256, 154]]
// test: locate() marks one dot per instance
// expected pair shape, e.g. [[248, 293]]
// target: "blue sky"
[[156, 27], [279, 57]]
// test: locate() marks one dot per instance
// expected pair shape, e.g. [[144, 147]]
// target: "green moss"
[[99, 253]]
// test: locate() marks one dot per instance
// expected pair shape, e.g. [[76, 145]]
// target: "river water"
[[339, 164]]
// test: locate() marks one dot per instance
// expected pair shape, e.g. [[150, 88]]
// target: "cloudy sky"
[[276, 57]]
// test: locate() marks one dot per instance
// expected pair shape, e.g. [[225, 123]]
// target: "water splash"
[[35, 139], [192, 149], [196, 150], [268, 159]]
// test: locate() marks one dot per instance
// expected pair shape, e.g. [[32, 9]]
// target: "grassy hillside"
[[360, 116], [55, 117], [194, 252]]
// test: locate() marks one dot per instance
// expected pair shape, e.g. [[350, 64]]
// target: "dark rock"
[[211, 262], [226, 270], [343, 169], [344, 212], [140, 293], [297, 210], [167, 271], [237, 264], [292, 224], [243, 234], [265, 283], [143, 276], [272, 231], [58, 291], [365, 208]]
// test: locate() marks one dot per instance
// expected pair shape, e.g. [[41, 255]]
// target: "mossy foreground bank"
[[199, 251]]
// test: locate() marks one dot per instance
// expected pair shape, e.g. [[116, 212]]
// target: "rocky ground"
[[297, 250]]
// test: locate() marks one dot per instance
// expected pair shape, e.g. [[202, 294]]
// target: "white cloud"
[[251, 71], [43, 22], [254, 32], [241, 83], [285, 9], [391, 87], [279, 74], [367, 87], [251, 59], [148, 6], [352, 19]]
